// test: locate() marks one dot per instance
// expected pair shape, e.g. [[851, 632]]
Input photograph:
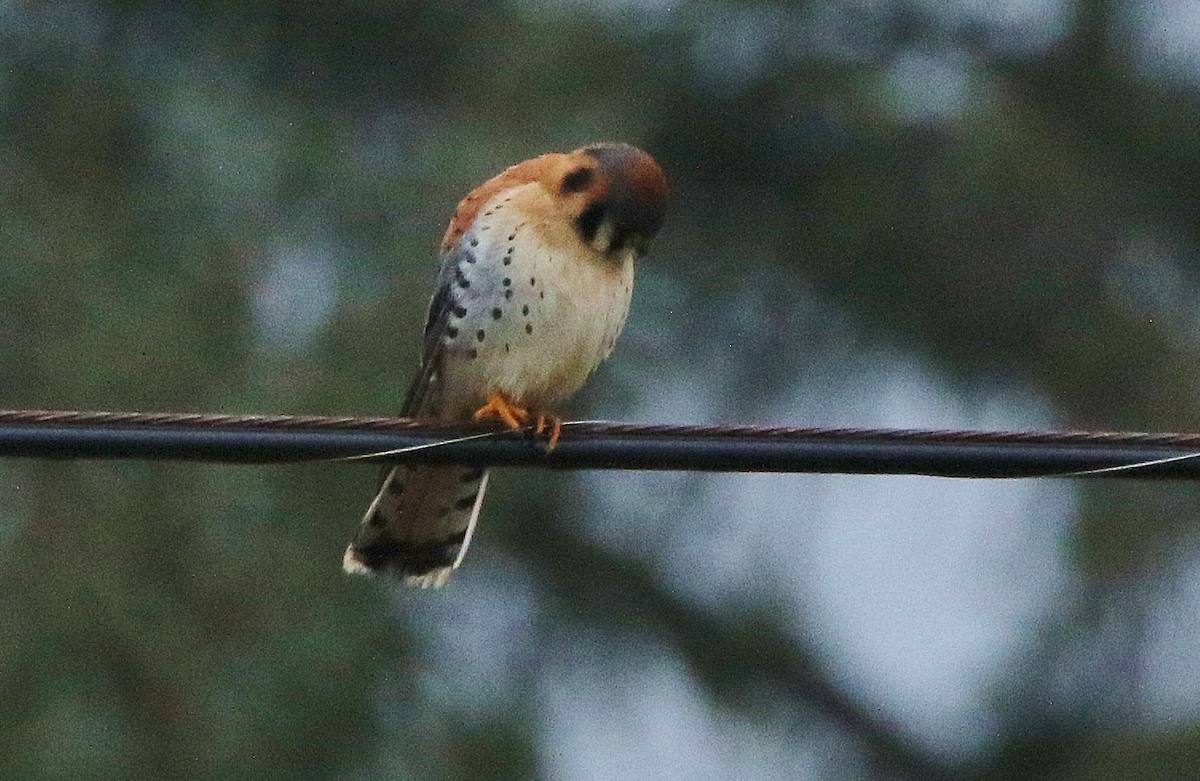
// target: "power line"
[[274, 439]]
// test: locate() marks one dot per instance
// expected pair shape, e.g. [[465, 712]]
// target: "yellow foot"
[[502, 409]]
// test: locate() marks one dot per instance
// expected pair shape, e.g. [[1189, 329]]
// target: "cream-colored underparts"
[[561, 303]]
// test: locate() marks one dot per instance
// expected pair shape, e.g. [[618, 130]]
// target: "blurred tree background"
[[910, 213]]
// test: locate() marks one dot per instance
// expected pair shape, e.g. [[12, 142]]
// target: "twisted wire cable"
[[276, 439]]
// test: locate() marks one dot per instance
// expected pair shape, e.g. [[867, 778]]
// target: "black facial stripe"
[[620, 238], [589, 221]]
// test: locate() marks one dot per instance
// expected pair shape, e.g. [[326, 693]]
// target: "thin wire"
[[1128, 467], [398, 451], [597, 445]]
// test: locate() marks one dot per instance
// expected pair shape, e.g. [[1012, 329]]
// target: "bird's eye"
[[577, 180]]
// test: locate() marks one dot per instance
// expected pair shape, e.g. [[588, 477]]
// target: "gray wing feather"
[[424, 391]]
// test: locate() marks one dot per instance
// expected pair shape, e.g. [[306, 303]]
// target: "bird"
[[536, 278]]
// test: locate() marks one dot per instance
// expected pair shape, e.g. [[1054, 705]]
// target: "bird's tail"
[[419, 525]]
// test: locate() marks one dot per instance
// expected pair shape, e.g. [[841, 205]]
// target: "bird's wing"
[[424, 394]]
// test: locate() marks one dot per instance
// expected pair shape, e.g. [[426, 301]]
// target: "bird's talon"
[[549, 427], [501, 409]]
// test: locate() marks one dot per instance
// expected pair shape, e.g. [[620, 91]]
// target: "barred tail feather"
[[419, 525]]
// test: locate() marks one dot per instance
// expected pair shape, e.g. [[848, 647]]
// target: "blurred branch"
[[733, 657], [597, 445]]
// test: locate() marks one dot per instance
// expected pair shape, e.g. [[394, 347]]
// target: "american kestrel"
[[536, 278]]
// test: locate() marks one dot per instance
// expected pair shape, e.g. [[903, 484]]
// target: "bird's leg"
[[503, 410]]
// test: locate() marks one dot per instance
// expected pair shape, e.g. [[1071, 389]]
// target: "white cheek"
[[603, 238]]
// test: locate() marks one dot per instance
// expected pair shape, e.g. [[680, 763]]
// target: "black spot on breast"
[[480, 334], [508, 294], [533, 281], [577, 180], [460, 311], [507, 260], [506, 282], [497, 313], [452, 332], [472, 353], [542, 294], [525, 310], [528, 328], [511, 236], [506, 347], [474, 243]]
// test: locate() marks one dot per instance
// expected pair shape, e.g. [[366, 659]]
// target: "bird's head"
[[612, 197], [616, 195]]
